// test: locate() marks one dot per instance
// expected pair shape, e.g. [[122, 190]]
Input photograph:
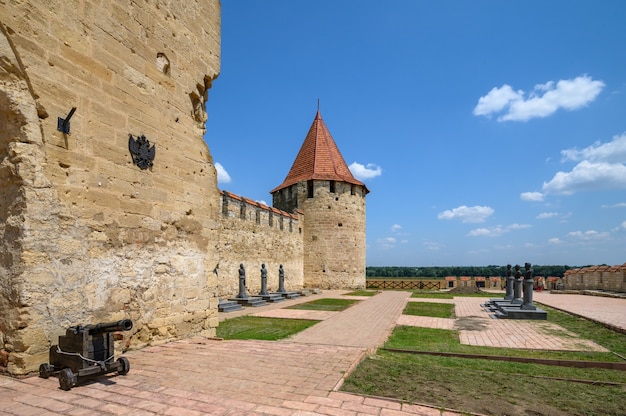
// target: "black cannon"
[[86, 351]]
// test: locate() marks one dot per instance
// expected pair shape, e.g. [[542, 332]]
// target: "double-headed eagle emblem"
[[140, 150]]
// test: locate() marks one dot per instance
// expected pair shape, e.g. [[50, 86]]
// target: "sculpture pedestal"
[[288, 295], [519, 313], [272, 297], [228, 306], [249, 301]]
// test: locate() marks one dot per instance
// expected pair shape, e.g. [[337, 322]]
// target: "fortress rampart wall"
[[609, 278], [251, 234]]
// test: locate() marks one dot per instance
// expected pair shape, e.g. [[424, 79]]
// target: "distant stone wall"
[[85, 234], [610, 278], [252, 234]]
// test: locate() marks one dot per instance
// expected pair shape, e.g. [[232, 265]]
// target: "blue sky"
[[488, 132]]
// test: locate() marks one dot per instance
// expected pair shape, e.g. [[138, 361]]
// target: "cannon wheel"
[[45, 370], [67, 379], [124, 366]]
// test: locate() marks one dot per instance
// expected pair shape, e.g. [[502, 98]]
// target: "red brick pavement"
[[295, 377], [210, 377], [607, 310]]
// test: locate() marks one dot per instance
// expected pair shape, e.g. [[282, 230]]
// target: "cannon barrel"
[[101, 328]]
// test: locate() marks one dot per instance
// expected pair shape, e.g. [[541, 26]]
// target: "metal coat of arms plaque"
[[141, 152]]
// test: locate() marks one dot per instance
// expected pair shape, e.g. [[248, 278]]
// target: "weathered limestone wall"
[[610, 278], [334, 235], [252, 233], [85, 235]]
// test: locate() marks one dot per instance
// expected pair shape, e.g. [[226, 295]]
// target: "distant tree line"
[[441, 272]]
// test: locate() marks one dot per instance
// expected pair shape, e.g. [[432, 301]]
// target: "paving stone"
[[293, 377]]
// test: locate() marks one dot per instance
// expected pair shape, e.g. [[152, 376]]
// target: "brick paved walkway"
[[609, 311], [366, 324], [294, 377]]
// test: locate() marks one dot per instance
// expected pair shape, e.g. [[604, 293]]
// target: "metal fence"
[[411, 284]]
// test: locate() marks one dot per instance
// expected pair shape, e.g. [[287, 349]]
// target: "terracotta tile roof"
[[319, 158]]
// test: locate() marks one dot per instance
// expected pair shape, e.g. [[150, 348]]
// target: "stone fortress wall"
[[86, 235], [609, 278], [251, 234]]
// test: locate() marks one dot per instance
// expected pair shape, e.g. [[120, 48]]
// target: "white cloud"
[[487, 232], [496, 231], [222, 175], [396, 227], [587, 176], [518, 226], [621, 227], [531, 196], [386, 243], [543, 101], [496, 100], [618, 205], [555, 240], [546, 215], [467, 214], [433, 246], [364, 172], [588, 235], [609, 152], [600, 166]]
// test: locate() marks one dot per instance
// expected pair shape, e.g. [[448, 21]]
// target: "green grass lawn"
[[268, 329], [488, 387], [362, 293], [326, 304], [436, 310]]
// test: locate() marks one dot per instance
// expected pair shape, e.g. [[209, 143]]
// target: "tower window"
[[309, 188], [332, 187], [340, 224]]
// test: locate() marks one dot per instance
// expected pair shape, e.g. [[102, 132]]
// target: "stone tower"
[[333, 202]]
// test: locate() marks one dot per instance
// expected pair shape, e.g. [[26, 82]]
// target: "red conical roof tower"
[[330, 204], [319, 158]]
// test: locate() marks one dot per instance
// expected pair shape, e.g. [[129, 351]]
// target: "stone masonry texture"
[[85, 235]]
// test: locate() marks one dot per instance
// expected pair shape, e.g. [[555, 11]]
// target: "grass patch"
[[362, 293], [442, 340], [435, 310], [609, 339], [484, 386], [325, 304], [268, 329]]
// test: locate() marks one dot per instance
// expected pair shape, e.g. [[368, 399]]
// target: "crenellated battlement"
[[239, 207]]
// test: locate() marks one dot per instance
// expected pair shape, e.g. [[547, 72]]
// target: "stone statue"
[[263, 280], [281, 280], [517, 287], [242, 282], [528, 288], [509, 283]]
